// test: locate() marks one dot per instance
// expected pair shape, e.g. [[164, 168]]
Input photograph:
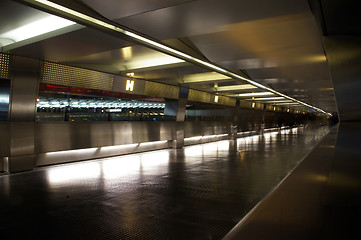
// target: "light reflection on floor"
[[198, 192], [206, 148], [109, 168], [124, 166], [73, 173], [152, 163]]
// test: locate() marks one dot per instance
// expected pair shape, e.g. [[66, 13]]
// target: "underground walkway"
[[198, 192]]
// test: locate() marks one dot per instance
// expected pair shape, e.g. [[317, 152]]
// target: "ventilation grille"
[[161, 90], [227, 101], [4, 65], [245, 104], [198, 96], [76, 77]]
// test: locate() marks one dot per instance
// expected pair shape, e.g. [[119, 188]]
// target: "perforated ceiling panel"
[[227, 101], [198, 96], [4, 65], [161, 90], [76, 77]]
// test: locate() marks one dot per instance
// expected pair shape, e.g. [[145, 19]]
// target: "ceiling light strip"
[[288, 104], [265, 99], [254, 94], [151, 43]]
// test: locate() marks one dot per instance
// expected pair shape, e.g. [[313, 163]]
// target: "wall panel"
[[4, 143], [101, 139]]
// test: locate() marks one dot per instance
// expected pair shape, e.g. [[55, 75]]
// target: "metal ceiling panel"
[[13, 15], [287, 50], [267, 39], [127, 8], [127, 59], [207, 16], [70, 46], [277, 43]]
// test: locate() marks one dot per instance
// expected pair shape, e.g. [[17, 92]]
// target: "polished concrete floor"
[[198, 192], [320, 199]]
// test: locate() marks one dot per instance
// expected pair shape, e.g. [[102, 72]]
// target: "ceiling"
[[277, 43]]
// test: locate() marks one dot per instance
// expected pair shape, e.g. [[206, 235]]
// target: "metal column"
[[25, 75], [177, 108]]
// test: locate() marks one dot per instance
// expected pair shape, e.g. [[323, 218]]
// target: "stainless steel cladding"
[[4, 143], [342, 57], [111, 138], [25, 77], [4, 86], [61, 136], [205, 128], [4, 99]]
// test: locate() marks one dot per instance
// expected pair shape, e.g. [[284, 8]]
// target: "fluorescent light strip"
[[265, 99], [74, 151], [115, 147], [37, 28], [235, 87], [152, 143], [119, 147], [279, 101], [287, 103], [255, 94], [205, 137], [193, 138], [160, 46]]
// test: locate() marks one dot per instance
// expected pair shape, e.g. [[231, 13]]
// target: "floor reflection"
[[73, 173], [198, 192]]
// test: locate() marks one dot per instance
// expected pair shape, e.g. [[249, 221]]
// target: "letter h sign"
[[129, 86]]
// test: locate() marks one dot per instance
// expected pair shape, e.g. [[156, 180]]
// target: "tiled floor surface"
[[198, 192]]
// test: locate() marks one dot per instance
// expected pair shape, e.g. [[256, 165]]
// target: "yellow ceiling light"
[[204, 77], [127, 53], [161, 60], [131, 74]]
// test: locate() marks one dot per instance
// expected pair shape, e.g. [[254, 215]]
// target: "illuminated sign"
[[130, 85], [114, 110], [216, 98]]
